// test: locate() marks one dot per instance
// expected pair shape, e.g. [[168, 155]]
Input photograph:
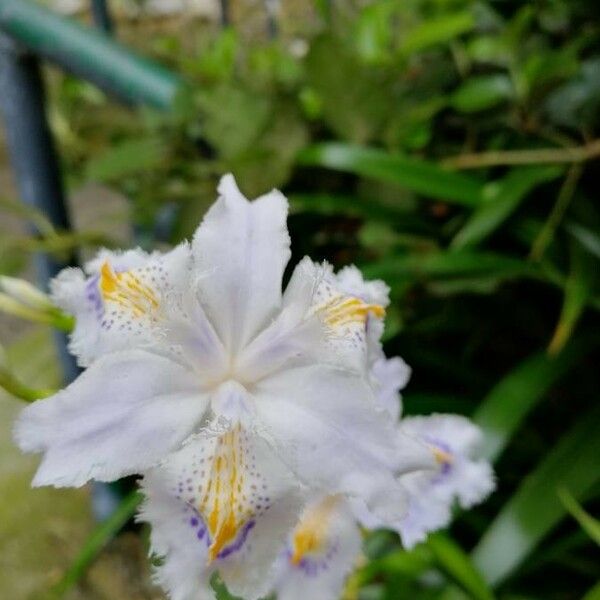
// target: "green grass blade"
[[419, 176], [535, 508], [451, 559], [590, 525], [97, 541], [505, 407], [500, 200]]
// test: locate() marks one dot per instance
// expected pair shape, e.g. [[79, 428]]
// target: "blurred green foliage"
[[450, 147]]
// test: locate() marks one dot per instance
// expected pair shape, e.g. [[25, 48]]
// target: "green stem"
[[19, 390], [101, 536]]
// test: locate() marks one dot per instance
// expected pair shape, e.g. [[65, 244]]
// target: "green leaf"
[[344, 204], [588, 238], [451, 558], [127, 157], [535, 509], [482, 93], [593, 593], [500, 199], [373, 35], [578, 289], [416, 175], [505, 407], [401, 562], [447, 265], [97, 541], [234, 118], [590, 525], [355, 97], [436, 31]]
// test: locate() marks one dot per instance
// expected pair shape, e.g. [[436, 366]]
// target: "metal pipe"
[[90, 54], [225, 16], [272, 8], [34, 159], [101, 15]]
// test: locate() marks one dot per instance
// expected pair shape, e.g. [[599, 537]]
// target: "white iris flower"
[[239, 403], [325, 545]]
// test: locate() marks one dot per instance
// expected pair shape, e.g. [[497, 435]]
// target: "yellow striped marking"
[[127, 291], [224, 505], [344, 311]]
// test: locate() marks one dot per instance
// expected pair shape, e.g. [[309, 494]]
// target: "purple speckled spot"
[[92, 291], [241, 539], [446, 467], [312, 565], [194, 522]]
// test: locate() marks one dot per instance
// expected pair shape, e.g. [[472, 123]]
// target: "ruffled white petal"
[[122, 299], [121, 416], [183, 572], [242, 248], [351, 322], [296, 337], [352, 283], [221, 503], [323, 423], [320, 554], [460, 475], [389, 376]]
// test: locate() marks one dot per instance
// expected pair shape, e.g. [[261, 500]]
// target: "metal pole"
[[34, 159], [101, 15], [90, 54], [225, 16], [272, 8]]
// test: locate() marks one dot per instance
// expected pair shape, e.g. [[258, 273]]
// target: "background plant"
[[450, 147]]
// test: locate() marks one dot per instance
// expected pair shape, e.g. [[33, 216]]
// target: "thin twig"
[[576, 154]]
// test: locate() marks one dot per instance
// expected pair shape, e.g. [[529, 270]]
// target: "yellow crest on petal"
[[127, 291], [225, 505], [310, 536], [344, 311]]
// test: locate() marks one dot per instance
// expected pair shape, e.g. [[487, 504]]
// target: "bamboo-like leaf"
[[436, 31], [104, 532], [588, 238], [588, 523], [344, 204], [419, 176], [482, 93], [505, 407], [535, 508], [500, 200], [451, 558], [578, 289], [593, 594], [129, 156], [433, 265]]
